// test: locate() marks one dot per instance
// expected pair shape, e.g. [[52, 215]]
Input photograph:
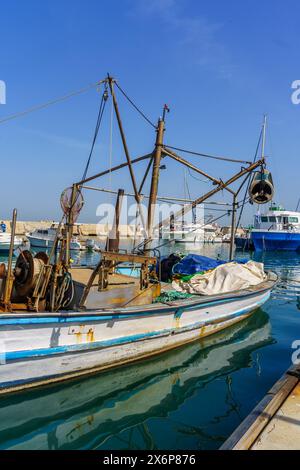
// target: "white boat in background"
[[212, 234], [44, 238], [5, 242], [194, 233]]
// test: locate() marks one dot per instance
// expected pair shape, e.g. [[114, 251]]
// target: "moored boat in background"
[[44, 239], [5, 242], [277, 229]]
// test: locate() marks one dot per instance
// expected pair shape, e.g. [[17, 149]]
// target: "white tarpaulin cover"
[[225, 278]]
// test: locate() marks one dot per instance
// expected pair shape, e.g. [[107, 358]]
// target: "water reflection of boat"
[[84, 414]]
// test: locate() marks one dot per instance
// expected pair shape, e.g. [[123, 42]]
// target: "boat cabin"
[[277, 219]]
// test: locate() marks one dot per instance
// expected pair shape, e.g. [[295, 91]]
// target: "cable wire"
[[206, 155], [247, 188], [135, 106], [99, 119], [48, 103]]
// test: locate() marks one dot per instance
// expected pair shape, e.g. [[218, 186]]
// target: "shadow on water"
[[88, 413]]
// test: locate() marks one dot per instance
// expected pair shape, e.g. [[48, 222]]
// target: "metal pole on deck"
[[233, 228], [126, 151], [264, 138], [9, 276], [70, 224], [113, 239], [155, 175]]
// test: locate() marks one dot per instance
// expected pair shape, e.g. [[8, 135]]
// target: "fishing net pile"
[[195, 274]]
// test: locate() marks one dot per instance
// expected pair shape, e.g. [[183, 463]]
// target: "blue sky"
[[219, 65]]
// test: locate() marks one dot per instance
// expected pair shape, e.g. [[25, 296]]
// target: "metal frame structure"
[[161, 151]]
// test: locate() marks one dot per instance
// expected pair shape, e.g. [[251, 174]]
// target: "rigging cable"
[[247, 188], [98, 122], [135, 106], [99, 119], [195, 177], [48, 103], [206, 155]]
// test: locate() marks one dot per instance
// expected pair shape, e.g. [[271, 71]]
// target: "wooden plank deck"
[[275, 421], [123, 290]]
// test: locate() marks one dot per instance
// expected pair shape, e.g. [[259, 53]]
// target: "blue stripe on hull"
[[47, 352], [272, 241], [43, 320]]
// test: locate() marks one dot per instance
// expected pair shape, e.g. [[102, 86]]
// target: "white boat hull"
[[99, 405], [46, 243], [5, 243], [44, 348]]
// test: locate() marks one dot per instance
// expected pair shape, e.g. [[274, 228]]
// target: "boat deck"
[[275, 423], [123, 290]]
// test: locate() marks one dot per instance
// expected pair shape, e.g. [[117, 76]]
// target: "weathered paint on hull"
[[42, 350], [102, 405]]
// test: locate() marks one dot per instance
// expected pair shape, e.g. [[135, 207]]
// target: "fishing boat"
[[5, 240], [277, 229], [59, 322], [44, 239], [193, 233], [243, 241], [86, 413]]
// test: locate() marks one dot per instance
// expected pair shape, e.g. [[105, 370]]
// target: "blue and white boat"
[[39, 348], [278, 229]]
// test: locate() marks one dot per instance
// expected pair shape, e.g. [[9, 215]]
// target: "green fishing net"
[[171, 295]]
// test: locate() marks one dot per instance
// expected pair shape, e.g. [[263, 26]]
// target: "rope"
[[135, 106], [48, 103], [206, 155], [248, 177], [99, 119], [98, 122], [195, 177]]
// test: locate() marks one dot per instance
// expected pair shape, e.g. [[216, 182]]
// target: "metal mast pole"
[[155, 175], [129, 162], [9, 276], [70, 224], [233, 228], [264, 137]]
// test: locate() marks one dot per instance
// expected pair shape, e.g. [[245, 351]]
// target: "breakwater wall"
[[82, 230]]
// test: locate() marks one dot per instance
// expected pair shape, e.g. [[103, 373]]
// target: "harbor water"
[[191, 398]]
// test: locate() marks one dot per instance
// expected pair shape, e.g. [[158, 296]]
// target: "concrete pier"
[[274, 424]]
